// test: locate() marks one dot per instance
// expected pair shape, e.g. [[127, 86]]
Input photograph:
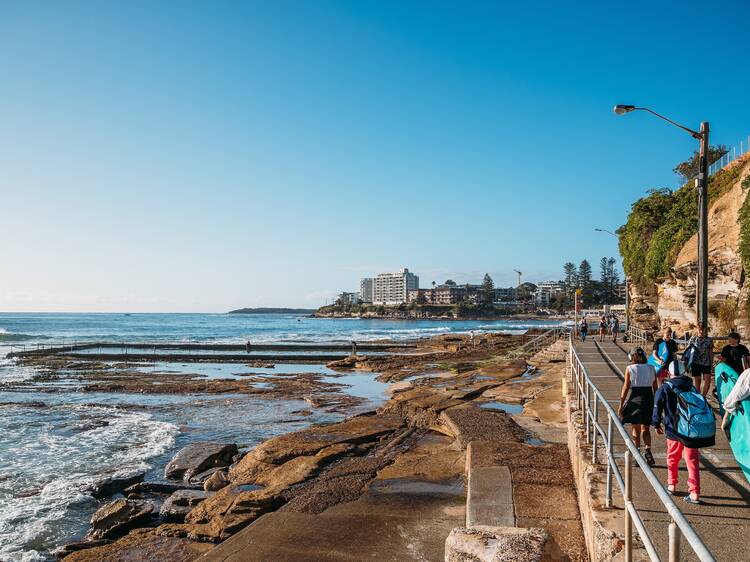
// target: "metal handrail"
[[537, 342], [640, 336], [637, 336], [588, 398]]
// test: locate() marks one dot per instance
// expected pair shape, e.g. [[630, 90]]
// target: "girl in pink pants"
[[675, 451], [679, 446]]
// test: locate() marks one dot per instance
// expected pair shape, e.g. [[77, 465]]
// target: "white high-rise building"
[[365, 290], [393, 288]]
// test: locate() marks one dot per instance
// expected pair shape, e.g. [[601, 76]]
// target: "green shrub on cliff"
[[744, 220], [661, 223], [647, 215]]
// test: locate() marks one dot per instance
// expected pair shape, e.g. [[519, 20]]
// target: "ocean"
[[55, 440]]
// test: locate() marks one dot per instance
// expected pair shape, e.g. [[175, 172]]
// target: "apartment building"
[[365, 290], [393, 288]]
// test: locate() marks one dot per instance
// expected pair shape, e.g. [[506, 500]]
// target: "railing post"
[[593, 427], [628, 497], [674, 542], [587, 414], [608, 499]]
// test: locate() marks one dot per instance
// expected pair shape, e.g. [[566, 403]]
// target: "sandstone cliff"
[[671, 299]]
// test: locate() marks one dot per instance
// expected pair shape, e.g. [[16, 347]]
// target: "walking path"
[[723, 521]]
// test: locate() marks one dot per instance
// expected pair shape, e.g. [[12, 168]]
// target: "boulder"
[[118, 516], [216, 481], [199, 457], [201, 477], [499, 544], [179, 504], [110, 486]]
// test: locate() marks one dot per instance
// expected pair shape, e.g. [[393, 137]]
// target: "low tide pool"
[[504, 406], [362, 384]]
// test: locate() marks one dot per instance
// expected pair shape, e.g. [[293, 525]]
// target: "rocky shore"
[[450, 394]]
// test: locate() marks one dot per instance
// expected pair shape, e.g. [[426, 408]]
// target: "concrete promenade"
[[723, 521]]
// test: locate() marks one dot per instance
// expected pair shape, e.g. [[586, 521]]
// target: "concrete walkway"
[[723, 521]]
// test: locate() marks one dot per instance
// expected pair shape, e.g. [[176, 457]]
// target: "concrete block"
[[497, 544], [489, 498]]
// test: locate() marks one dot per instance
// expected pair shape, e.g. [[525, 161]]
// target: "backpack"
[[689, 355], [694, 419]]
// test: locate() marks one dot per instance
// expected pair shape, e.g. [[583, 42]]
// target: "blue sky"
[[175, 156]]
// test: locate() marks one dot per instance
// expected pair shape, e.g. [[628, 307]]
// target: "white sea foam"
[[53, 458]]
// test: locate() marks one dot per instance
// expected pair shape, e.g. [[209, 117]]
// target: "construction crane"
[[519, 277]]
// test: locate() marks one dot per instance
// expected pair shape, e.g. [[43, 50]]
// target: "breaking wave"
[[48, 466]]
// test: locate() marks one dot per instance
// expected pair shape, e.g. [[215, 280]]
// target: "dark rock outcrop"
[[110, 486], [117, 517], [199, 457]]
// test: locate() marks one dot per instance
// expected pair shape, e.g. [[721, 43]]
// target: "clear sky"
[[175, 156]]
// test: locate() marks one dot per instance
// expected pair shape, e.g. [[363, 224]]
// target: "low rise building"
[[546, 291], [349, 298], [506, 294]]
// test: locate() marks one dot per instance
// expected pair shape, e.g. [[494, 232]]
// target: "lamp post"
[[701, 184], [627, 282]]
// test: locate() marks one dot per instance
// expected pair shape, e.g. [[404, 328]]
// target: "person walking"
[[664, 353], [602, 328], [735, 354], [615, 327], [584, 328], [637, 400], [689, 425], [702, 359]]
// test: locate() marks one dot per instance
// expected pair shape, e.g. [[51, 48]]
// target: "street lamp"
[[627, 282], [701, 184]]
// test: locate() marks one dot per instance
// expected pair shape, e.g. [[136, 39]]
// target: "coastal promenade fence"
[[735, 152], [539, 342], [640, 337], [591, 402]]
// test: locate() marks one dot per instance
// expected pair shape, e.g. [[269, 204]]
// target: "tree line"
[[595, 291]]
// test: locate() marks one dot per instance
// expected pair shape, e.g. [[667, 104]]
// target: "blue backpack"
[[694, 419]]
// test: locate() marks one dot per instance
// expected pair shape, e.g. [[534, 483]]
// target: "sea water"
[[55, 441]]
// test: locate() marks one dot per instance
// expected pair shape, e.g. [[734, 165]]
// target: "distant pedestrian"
[[615, 327], [664, 352], [689, 424], [247, 346], [584, 329], [702, 359], [354, 348], [471, 339], [735, 354], [602, 328], [637, 400]]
